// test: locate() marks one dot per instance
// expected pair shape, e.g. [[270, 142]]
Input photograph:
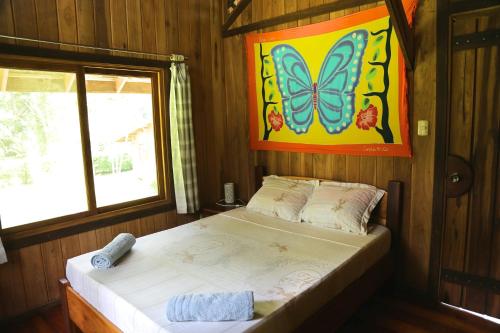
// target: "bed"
[[300, 274]]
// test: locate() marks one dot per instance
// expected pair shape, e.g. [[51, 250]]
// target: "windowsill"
[[45, 233]]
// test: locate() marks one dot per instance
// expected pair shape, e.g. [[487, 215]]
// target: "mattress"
[[292, 268]]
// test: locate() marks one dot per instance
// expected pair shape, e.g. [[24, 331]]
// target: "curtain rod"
[[169, 57]]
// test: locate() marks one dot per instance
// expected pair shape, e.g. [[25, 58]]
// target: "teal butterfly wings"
[[332, 95]]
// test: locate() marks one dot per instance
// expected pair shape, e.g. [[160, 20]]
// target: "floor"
[[47, 321], [380, 315], [395, 315]]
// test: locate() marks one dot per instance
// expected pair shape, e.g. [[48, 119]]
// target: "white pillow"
[[282, 197], [344, 206]]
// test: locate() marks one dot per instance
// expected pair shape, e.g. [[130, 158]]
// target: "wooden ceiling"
[[395, 8], [16, 80]]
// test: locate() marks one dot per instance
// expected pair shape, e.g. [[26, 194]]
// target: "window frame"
[[95, 217]]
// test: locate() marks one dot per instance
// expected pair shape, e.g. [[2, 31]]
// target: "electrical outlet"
[[423, 128], [176, 57]]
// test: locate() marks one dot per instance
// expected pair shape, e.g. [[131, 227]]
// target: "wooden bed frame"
[[80, 315]]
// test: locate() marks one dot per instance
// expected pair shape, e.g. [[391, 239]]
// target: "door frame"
[[445, 13]]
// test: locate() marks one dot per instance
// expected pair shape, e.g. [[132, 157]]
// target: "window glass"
[[41, 162], [122, 140]]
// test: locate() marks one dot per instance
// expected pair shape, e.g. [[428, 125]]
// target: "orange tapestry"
[[333, 87]]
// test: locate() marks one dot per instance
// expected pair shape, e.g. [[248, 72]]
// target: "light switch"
[[423, 128]]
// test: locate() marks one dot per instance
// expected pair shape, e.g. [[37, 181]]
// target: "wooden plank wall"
[[228, 157], [29, 280]]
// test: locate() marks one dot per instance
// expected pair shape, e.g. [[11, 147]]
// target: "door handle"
[[459, 176], [454, 177]]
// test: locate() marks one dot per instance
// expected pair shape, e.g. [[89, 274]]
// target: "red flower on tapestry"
[[276, 120], [367, 118]]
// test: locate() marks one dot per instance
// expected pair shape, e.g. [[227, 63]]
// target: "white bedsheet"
[[237, 250]]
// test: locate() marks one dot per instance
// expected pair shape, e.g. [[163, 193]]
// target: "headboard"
[[394, 203]]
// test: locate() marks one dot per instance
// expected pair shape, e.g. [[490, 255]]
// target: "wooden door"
[[470, 262]]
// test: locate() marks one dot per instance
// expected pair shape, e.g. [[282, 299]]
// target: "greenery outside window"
[[78, 141]]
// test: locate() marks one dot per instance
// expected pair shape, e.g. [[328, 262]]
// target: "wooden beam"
[[17, 240], [120, 83], [4, 78], [403, 31], [441, 147], [69, 79], [234, 15], [471, 280], [301, 14], [476, 40], [57, 54], [462, 7]]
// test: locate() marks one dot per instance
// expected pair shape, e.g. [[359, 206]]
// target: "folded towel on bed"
[[108, 255], [211, 307]]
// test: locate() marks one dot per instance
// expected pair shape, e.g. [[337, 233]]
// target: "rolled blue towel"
[[211, 307], [114, 250]]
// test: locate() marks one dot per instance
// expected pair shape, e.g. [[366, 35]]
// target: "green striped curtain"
[[182, 141]]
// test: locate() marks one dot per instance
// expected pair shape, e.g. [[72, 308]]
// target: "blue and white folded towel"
[[114, 250], [237, 306]]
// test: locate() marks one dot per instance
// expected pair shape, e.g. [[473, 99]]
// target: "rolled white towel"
[[223, 306], [114, 250]]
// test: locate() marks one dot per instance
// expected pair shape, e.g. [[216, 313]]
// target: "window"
[[41, 164], [123, 152], [77, 141]]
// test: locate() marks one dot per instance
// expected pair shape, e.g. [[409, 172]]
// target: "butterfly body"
[[333, 93], [315, 95]]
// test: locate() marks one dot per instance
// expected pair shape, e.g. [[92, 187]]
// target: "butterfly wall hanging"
[[333, 87]]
